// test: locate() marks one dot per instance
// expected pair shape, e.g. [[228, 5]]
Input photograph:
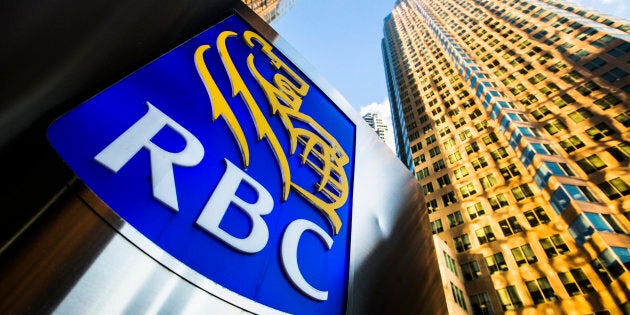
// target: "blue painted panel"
[[173, 84]]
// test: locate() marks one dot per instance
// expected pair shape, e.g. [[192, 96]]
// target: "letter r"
[[139, 136]]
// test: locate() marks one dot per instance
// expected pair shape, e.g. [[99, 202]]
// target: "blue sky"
[[341, 39]]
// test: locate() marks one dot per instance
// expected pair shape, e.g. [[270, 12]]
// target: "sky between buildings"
[[342, 40]]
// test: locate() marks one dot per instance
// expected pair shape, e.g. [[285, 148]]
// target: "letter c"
[[290, 242]]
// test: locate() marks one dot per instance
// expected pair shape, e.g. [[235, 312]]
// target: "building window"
[[455, 219], [488, 181], [467, 190], [614, 75], [614, 188], [454, 157], [605, 222], [439, 165], [586, 34], [554, 127], [479, 163], [417, 147], [554, 246], [524, 255], [603, 41], [540, 290], [443, 181], [536, 216], [465, 134], [436, 226], [572, 77], [490, 138], [476, 113], [496, 263], [595, 64], [501, 71], [563, 100], [600, 131], [426, 129], [428, 188], [539, 77], [499, 201], [475, 210], [526, 69], [580, 115], [509, 298], [571, 144], [462, 243], [449, 198], [620, 152], [510, 226], [461, 172], [587, 88], [612, 263], [579, 55], [607, 101], [509, 171], [552, 40], [450, 263], [620, 50], [470, 270], [472, 147], [522, 191], [434, 151], [430, 139], [517, 89], [423, 173], [449, 144], [591, 164], [529, 100], [499, 154], [432, 206], [549, 89], [624, 118], [556, 168], [555, 68], [481, 125], [541, 112], [485, 235], [459, 296], [566, 193], [576, 282], [480, 304]]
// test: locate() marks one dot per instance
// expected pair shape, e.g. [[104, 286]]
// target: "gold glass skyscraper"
[[269, 10], [514, 117]]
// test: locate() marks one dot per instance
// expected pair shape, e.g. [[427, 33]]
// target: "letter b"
[[223, 196]]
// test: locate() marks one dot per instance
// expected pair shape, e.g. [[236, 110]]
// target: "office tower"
[[269, 10], [375, 121], [514, 117]]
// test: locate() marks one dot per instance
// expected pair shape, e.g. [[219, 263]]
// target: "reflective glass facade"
[[523, 108]]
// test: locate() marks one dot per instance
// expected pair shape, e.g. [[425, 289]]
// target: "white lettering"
[[290, 242], [223, 196], [138, 136]]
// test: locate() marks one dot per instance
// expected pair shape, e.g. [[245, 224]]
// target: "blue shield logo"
[[227, 157]]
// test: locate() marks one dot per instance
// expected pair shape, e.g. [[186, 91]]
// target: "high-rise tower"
[[514, 116], [375, 121], [269, 10]]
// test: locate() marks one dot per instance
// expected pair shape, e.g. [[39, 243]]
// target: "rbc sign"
[[227, 157]]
